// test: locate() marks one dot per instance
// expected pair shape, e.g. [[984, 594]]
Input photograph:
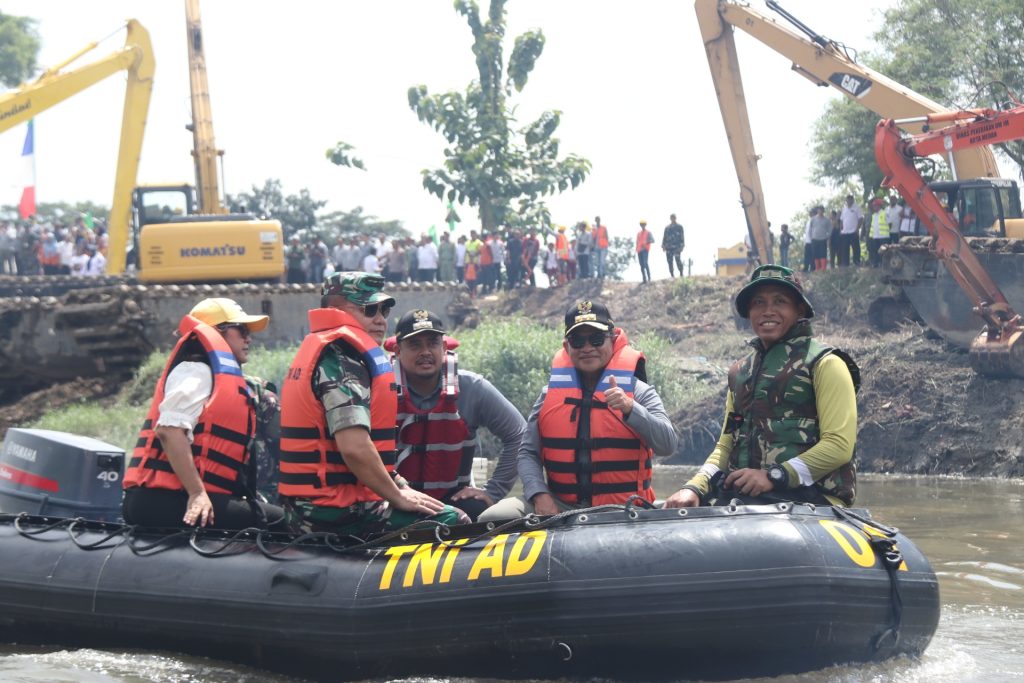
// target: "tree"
[[296, 212], [843, 147], [968, 53], [341, 155], [487, 163], [621, 252], [355, 222], [19, 45]]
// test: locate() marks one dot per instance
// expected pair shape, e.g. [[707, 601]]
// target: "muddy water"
[[971, 531]]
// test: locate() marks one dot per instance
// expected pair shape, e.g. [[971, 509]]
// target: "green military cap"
[[359, 288], [771, 274]]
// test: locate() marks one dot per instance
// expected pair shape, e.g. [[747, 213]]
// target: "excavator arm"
[[204, 149], [997, 351], [58, 84], [822, 61]]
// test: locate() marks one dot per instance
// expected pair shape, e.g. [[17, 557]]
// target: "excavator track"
[[935, 296], [49, 336]]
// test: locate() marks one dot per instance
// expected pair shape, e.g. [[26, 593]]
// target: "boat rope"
[[39, 532], [891, 558], [96, 545]]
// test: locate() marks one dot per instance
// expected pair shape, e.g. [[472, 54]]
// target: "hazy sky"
[[288, 80]]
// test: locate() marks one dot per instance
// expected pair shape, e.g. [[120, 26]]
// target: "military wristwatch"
[[778, 476]]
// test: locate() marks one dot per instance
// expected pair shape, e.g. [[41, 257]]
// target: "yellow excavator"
[[161, 231], [911, 265]]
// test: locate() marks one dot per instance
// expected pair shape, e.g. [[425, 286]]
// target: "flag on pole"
[[27, 206], [432, 233], [451, 218]]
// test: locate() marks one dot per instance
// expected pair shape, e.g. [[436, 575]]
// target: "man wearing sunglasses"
[[192, 462], [338, 413], [439, 411], [594, 428]]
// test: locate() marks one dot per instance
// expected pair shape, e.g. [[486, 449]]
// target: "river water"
[[969, 529]]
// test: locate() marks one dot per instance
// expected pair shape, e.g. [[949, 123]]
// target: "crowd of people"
[[371, 434], [53, 247], [841, 238], [484, 260]]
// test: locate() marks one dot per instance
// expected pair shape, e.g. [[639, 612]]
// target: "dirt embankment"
[[921, 409]]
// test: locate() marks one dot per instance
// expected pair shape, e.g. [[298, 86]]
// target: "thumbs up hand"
[[617, 399]]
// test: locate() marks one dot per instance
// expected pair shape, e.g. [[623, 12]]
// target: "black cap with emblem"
[[416, 322], [588, 313]]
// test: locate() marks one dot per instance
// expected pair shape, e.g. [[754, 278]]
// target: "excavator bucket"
[[999, 358]]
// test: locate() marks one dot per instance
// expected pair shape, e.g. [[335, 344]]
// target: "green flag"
[[88, 220], [433, 233], [451, 218]]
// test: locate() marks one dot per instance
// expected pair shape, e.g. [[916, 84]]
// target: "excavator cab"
[[983, 207]]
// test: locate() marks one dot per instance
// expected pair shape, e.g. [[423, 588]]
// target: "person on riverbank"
[[338, 415], [596, 426], [791, 412], [192, 462], [440, 408]]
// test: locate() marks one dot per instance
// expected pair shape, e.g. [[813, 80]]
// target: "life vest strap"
[[596, 489], [222, 433], [574, 444], [310, 479], [598, 466]]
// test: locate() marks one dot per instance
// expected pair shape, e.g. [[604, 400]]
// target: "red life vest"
[[643, 240], [222, 434], [435, 453], [620, 462], [562, 246], [601, 233], [311, 466]]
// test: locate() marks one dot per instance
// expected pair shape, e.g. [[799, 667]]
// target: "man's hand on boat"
[[746, 481], [473, 492], [544, 504], [411, 500], [683, 498], [199, 509]]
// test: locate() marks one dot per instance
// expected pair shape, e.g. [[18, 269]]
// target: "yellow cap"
[[643, 221], [561, 228], [219, 311]]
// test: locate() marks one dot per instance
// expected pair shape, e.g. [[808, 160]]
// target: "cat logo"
[[851, 84]]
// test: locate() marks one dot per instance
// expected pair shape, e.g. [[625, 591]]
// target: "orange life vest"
[[562, 246], [222, 434], [601, 235], [435, 453], [486, 255], [620, 462], [311, 466], [643, 240]]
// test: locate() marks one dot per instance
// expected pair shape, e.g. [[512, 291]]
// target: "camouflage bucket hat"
[[359, 288], [771, 274]]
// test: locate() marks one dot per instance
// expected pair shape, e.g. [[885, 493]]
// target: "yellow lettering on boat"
[[847, 537], [490, 558], [425, 559], [875, 532], [449, 560], [394, 554], [517, 564]]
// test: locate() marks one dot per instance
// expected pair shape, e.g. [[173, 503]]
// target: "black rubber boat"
[[714, 592]]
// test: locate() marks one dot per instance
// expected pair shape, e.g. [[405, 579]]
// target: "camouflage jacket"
[[264, 451], [775, 415]]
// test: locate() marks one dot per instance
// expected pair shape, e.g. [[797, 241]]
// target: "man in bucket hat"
[[593, 431], [192, 460], [338, 413], [790, 413]]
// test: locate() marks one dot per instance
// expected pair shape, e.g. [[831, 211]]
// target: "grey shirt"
[[821, 228], [481, 405], [648, 419]]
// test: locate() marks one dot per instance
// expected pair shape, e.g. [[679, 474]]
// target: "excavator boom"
[[56, 85], [822, 61], [998, 350], [204, 149]]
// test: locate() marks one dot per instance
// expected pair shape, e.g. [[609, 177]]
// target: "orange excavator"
[[997, 350]]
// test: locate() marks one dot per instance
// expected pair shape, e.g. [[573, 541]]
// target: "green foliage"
[[488, 163], [968, 53], [844, 147], [355, 222], [340, 155], [515, 356], [621, 252], [297, 213], [19, 45], [118, 424]]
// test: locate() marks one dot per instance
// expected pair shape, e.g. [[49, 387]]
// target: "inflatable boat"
[[715, 592], [627, 592]]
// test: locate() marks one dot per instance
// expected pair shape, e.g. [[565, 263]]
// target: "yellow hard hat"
[[643, 222], [561, 228]]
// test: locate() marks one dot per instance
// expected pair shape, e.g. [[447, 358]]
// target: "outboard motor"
[[57, 474]]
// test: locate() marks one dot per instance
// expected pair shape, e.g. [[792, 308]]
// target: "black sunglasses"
[[578, 340], [383, 307], [242, 328]]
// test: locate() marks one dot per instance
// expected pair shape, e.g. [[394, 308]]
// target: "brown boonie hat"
[[771, 274]]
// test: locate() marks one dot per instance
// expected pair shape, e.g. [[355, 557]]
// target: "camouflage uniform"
[[775, 416], [265, 449]]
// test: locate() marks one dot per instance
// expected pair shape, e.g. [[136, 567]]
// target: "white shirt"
[[850, 217], [807, 233], [186, 391], [907, 222], [66, 251], [78, 264], [97, 265], [893, 216], [371, 264], [460, 255], [426, 256]]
